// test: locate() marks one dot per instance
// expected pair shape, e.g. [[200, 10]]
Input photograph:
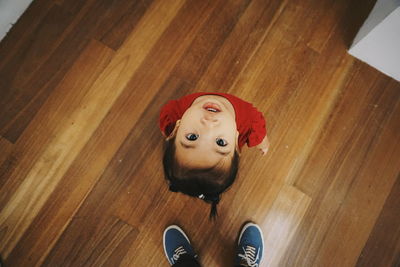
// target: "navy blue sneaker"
[[177, 244], [250, 246]]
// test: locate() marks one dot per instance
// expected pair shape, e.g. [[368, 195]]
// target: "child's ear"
[[237, 148], [173, 133]]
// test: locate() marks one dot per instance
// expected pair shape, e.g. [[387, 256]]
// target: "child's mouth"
[[212, 107]]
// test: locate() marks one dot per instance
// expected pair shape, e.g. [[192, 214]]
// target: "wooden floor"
[[81, 85]]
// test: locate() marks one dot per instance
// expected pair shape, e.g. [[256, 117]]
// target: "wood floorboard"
[[208, 41], [25, 64], [341, 164], [112, 239], [73, 95], [38, 47], [385, 235], [91, 21], [81, 179], [365, 191], [15, 41], [282, 221], [8, 161], [6, 147], [240, 46], [120, 21]]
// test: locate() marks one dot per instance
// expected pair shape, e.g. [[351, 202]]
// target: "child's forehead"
[[223, 164]]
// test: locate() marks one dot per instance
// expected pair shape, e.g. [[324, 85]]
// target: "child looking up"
[[205, 133]]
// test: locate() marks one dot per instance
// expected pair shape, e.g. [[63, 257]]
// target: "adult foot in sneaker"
[[177, 245], [250, 246]]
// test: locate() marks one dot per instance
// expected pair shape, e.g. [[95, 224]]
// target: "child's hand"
[[264, 146]]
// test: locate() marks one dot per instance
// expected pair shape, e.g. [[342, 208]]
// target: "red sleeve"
[[258, 130], [169, 114]]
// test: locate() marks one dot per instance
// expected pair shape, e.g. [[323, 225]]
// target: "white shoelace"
[[178, 252], [250, 256]]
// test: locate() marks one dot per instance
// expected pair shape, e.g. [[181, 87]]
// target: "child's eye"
[[221, 142], [192, 137]]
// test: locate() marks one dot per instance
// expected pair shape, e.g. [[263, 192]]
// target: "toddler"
[[205, 133]]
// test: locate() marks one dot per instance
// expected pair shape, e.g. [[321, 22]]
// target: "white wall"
[[378, 41], [10, 11]]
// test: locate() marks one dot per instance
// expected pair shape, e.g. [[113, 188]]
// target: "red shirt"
[[250, 122]]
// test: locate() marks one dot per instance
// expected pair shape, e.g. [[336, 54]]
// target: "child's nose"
[[209, 120]]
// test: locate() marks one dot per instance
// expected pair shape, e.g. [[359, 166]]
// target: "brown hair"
[[207, 184]]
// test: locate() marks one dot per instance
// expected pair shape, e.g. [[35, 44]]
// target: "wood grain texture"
[[25, 64], [86, 169], [24, 70], [84, 20], [282, 222], [81, 180], [365, 191], [16, 39], [108, 243], [8, 161], [61, 148], [6, 147], [43, 40], [342, 165], [385, 235]]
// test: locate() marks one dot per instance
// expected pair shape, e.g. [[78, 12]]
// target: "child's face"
[[207, 134]]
